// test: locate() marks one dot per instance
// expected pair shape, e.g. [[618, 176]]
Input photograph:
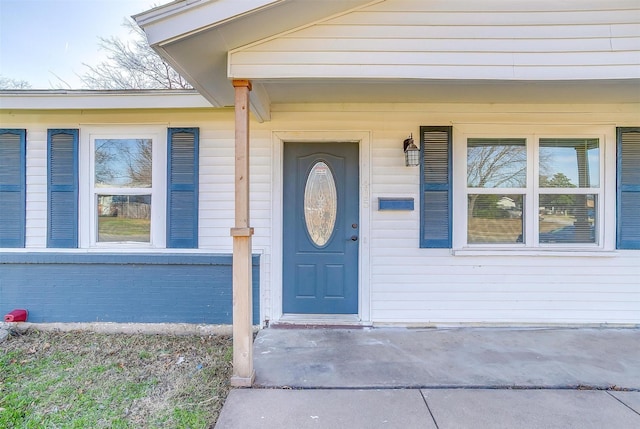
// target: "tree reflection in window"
[[500, 198], [123, 187], [496, 163], [123, 163]]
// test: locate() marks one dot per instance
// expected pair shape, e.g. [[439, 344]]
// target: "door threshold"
[[319, 321]]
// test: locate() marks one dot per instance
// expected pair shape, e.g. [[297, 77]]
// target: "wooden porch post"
[[243, 373]]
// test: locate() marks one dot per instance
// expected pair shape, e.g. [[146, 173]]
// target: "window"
[[569, 190], [496, 182], [521, 187], [13, 146], [557, 204], [141, 188], [123, 189]]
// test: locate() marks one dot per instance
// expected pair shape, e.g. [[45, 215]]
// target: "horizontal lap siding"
[[36, 225], [217, 188], [424, 286], [216, 170], [216, 181], [430, 286], [457, 40], [450, 289], [407, 284]]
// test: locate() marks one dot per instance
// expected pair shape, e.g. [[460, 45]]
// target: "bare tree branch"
[[496, 165], [131, 65], [10, 83]]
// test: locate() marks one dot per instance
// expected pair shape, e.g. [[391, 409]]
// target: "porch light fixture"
[[411, 152]]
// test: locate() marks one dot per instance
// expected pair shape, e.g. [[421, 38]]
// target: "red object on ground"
[[18, 315]]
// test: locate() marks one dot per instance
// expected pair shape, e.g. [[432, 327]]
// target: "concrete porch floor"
[[440, 379], [440, 358]]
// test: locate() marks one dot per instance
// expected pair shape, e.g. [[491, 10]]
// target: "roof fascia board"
[[45, 100], [178, 20]]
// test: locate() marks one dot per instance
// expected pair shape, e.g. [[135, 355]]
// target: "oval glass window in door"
[[320, 204]]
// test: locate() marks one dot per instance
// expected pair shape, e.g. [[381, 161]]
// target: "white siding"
[[507, 289], [216, 190], [454, 39], [407, 285], [36, 225]]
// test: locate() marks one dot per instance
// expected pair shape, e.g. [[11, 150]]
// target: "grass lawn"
[[89, 380], [123, 229]]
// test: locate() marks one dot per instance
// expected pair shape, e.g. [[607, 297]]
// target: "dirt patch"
[[86, 379]]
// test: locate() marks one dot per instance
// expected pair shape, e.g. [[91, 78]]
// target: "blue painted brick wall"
[[143, 288]]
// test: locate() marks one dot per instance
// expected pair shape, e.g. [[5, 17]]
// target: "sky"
[[41, 40]]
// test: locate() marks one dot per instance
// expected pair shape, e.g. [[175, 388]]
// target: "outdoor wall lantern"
[[411, 152]]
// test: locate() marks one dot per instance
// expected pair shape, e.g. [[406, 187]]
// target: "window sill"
[[566, 252]]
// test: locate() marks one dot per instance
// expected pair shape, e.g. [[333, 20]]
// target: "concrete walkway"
[[444, 378]]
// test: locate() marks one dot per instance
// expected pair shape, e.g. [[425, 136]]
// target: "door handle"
[[354, 238]]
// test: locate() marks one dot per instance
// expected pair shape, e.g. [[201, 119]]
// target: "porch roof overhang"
[[201, 39], [195, 36]]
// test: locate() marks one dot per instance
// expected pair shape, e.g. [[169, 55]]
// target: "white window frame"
[[88, 192], [606, 192]]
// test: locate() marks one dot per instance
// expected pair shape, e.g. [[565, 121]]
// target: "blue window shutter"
[[62, 189], [182, 188], [13, 185], [435, 184], [628, 188]]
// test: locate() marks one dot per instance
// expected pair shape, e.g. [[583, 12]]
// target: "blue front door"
[[320, 228]]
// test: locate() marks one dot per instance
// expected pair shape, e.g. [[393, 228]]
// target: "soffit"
[[453, 91], [195, 36]]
